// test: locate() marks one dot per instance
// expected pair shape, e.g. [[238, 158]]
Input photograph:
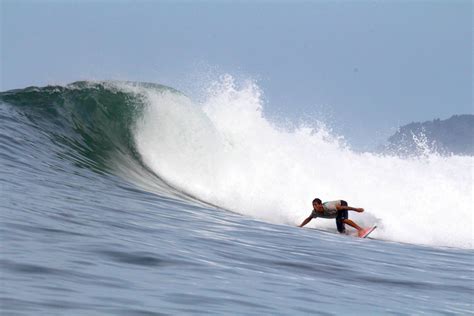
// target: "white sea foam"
[[224, 151]]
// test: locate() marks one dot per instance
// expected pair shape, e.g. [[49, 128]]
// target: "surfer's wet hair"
[[317, 201]]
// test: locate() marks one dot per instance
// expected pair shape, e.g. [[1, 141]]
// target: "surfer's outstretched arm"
[[306, 221], [350, 208]]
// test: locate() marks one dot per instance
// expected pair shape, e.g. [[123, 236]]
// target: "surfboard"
[[368, 231]]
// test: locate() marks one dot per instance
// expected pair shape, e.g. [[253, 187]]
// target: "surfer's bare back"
[[335, 209]]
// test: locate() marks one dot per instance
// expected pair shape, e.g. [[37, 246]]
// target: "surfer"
[[338, 210]]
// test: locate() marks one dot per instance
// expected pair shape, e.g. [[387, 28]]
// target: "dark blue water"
[[87, 229]]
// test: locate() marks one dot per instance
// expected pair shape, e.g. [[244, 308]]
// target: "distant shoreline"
[[451, 136]]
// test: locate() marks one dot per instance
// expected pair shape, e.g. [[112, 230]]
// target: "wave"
[[225, 152], [93, 118]]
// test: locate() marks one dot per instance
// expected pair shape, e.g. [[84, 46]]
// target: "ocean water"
[[128, 198]]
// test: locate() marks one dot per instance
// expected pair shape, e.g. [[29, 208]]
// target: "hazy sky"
[[365, 67]]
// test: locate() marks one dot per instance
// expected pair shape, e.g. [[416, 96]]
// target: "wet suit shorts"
[[341, 215]]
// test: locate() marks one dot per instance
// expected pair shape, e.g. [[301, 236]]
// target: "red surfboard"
[[367, 231]]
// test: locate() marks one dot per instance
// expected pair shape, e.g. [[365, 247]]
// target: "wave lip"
[[94, 119]]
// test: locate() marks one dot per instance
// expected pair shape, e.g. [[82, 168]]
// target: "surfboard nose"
[[365, 232]]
